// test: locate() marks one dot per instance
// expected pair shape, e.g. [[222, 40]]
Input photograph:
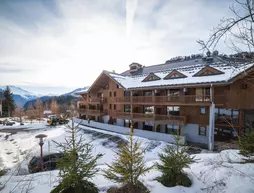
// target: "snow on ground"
[[212, 172]]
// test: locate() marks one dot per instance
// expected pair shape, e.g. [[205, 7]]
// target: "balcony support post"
[[211, 122]]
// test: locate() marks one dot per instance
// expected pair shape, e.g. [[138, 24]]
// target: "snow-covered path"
[[212, 172]]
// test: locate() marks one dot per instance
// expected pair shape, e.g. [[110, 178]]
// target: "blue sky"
[[54, 46]]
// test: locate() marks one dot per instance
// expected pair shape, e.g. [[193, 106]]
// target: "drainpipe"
[[211, 121]]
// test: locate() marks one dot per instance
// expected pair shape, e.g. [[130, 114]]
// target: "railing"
[[163, 119], [91, 111], [164, 99], [173, 120], [121, 100], [183, 99], [97, 100], [126, 115], [143, 116], [142, 99]]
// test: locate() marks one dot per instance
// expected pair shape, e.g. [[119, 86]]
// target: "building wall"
[[235, 96], [194, 116], [191, 132]]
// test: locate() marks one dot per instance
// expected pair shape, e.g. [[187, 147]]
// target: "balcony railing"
[[183, 99], [121, 99], [169, 119], [164, 99], [163, 119], [97, 100], [91, 111]]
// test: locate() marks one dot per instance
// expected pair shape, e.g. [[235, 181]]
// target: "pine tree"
[[78, 165], [8, 105], [246, 145], [127, 167], [172, 161]]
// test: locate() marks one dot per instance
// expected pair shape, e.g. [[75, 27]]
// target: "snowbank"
[[124, 130]]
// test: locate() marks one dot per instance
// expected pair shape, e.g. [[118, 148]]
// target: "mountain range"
[[22, 96]]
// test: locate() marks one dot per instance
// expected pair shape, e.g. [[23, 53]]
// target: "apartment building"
[[203, 98]]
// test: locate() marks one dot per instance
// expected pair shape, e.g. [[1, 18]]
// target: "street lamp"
[[41, 142]]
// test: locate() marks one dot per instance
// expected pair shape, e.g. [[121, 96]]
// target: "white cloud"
[[72, 46]]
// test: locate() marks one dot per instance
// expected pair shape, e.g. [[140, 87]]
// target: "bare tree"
[[237, 30], [39, 109], [54, 107]]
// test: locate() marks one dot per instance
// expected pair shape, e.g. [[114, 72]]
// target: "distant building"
[[1, 103]]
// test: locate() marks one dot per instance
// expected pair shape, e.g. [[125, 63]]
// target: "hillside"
[[20, 95]]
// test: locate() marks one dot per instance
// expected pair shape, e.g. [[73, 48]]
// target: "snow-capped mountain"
[[20, 95], [72, 93]]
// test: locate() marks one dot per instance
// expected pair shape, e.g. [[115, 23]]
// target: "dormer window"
[[151, 77], [175, 74], [208, 71], [134, 67]]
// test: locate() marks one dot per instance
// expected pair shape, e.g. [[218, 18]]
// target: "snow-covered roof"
[[229, 72]]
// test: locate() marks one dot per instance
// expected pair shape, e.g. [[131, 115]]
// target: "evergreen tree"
[[172, 161], [8, 105], [127, 167], [246, 145], [78, 164]]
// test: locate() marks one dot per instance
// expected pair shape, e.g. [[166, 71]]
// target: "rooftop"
[[227, 72]]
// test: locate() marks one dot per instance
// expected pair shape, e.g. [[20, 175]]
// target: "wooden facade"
[[107, 97]]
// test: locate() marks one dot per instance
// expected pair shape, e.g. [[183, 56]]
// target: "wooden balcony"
[[120, 99], [91, 112], [171, 120], [149, 117], [123, 115], [143, 99], [92, 100], [172, 100]]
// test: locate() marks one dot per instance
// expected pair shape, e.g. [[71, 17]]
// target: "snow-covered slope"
[[21, 96], [72, 93]]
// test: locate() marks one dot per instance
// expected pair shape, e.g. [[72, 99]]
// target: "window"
[[202, 131], [226, 116], [105, 87], [148, 93], [127, 108], [173, 110], [175, 74], [114, 94], [149, 110], [174, 92], [173, 129], [117, 86], [110, 106], [208, 70], [114, 107], [110, 94], [202, 111], [127, 93], [127, 123], [151, 77]]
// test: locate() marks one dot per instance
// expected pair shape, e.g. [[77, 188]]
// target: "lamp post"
[[41, 142]]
